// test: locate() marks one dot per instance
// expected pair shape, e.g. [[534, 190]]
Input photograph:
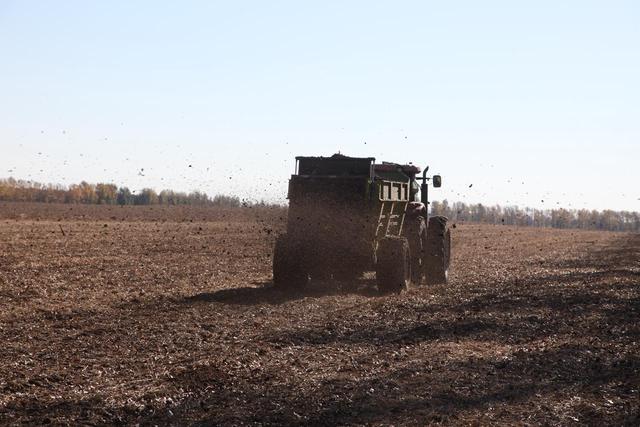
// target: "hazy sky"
[[527, 101]]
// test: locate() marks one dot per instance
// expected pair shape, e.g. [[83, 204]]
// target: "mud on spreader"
[[349, 215]]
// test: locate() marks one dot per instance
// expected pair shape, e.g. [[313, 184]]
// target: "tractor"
[[350, 215]]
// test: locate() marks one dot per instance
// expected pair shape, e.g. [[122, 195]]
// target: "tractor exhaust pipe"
[[424, 189]]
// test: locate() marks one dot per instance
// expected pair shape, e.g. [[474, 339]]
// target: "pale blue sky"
[[527, 102]]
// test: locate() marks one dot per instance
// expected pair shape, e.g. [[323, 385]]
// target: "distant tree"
[[88, 192], [583, 217], [124, 196], [226, 201], [74, 194], [106, 194], [610, 220], [167, 197], [146, 197], [198, 198], [7, 189], [560, 218]]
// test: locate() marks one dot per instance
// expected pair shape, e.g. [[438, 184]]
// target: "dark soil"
[[167, 316]]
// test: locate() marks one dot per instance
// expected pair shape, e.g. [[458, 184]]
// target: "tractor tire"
[[319, 269], [416, 233], [288, 266], [438, 251], [393, 266], [321, 276], [345, 274]]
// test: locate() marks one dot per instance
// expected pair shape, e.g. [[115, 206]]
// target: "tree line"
[[557, 218], [106, 194], [110, 194]]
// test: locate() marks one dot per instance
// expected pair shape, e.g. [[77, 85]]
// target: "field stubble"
[[166, 315]]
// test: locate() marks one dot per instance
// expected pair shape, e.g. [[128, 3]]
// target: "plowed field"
[[166, 316]]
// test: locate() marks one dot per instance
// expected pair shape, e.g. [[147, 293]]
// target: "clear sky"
[[525, 101]]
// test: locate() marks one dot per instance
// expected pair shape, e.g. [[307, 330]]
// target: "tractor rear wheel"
[[416, 232], [288, 265], [437, 251], [347, 275], [393, 266]]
